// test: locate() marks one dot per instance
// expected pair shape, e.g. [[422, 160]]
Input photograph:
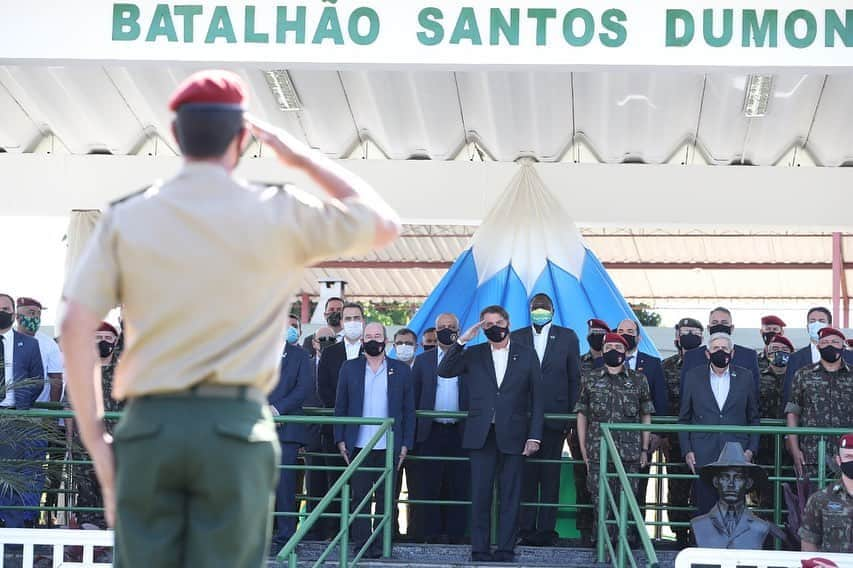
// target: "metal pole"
[[837, 275], [623, 529], [390, 476], [777, 487], [305, 312], [602, 497], [821, 462], [345, 510]]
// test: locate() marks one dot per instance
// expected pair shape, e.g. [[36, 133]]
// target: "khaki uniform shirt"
[[205, 266]]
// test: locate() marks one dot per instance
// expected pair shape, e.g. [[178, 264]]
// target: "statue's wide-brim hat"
[[731, 456]]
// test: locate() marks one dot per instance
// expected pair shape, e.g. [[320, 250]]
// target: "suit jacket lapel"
[[490, 363], [732, 386], [512, 356], [549, 344], [710, 391], [358, 386]]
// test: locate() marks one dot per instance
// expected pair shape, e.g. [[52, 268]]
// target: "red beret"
[[598, 324], [615, 338], [107, 327], [210, 87], [772, 320], [850, 343], [846, 441], [830, 331], [30, 302], [782, 340], [817, 563]]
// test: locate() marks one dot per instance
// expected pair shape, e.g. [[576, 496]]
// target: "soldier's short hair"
[[720, 335], [495, 309], [720, 309]]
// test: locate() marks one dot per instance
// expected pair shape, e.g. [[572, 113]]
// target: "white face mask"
[[814, 328], [405, 352], [353, 330]]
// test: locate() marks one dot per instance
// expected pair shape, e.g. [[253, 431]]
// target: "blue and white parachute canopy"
[[528, 244]]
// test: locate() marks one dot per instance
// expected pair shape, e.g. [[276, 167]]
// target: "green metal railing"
[[627, 502]]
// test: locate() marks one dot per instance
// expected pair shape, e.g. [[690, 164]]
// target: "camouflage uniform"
[[763, 362], [828, 519], [770, 406], [620, 398], [822, 400], [678, 490], [583, 518], [88, 489]]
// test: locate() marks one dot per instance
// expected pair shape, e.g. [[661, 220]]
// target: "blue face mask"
[[292, 335], [814, 328]]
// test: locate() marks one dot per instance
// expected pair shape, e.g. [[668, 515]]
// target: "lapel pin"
[[552, 337], [515, 357]]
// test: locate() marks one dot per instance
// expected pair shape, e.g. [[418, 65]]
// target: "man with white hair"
[[717, 393]]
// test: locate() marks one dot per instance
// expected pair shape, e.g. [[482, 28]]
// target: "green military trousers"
[[195, 483]]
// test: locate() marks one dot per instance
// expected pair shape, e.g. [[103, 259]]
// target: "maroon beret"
[[850, 343], [598, 324], [212, 88], [615, 338], [782, 340], [830, 331], [846, 441], [773, 320], [817, 562], [30, 302], [108, 327]]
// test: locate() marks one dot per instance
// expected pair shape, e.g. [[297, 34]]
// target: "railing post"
[[777, 485], [345, 513], [602, 497], [623, 528], [390, 479], [821, 462]]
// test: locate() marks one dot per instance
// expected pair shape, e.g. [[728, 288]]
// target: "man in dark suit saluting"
[[502, 381], [717, 394], [559, 356]]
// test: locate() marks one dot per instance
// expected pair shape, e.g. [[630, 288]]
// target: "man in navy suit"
[[720, 321], [286, 399], [433, 480], [652, 368], [20, 362], [817, 318], [502, 380], [374, 386], [559, 355], [719, 393]]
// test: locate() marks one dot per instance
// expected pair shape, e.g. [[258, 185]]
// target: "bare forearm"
[[646, 419], [793, 421], [582, 434], [55, 386]]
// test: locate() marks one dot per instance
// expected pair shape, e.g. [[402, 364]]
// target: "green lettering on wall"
[[466, 28], [612, 21], [329, 27], [760, 32], [835, 27], [791, 28], [500, 26], [708, 28], [125, 22], [372, 26], [251, 35], [283, 25], [542, 15], [428, 18], [673, 38], [161, 24], [188, 12], [569, 27], [220, 26]]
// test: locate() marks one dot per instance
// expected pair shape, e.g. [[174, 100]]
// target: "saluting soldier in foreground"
[[204, 266]]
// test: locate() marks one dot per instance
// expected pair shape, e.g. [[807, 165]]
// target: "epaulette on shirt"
[[279, 185], [130, 196]]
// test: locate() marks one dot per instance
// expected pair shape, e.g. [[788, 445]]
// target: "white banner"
[[443, 34]]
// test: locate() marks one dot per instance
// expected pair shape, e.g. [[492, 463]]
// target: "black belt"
[[240, 392]]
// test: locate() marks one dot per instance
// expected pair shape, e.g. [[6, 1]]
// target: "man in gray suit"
[[716, 394]]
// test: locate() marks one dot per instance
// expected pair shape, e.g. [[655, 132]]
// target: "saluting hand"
[[471, 332], [289, 150]]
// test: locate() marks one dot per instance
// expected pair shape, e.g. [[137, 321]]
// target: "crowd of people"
[[506, 386]]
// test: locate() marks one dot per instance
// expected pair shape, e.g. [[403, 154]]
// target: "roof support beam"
[[443, 265]]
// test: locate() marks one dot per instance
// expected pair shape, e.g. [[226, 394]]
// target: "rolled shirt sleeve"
[[646, 404], [94, 281]]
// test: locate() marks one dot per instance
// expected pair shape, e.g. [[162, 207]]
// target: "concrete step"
[[432, 555]]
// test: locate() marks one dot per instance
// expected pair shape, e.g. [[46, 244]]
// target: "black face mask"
[[373, 347], [847, 469], [631, 339], [780, 359], [614, 358], [690, 341], [496, 333], [830, 353], [334, 319], [105, 349], [6, 320], [446, 336], [429, 347], [768, 337], [326, 342], [720, 328], [721, 359], [595, 340]]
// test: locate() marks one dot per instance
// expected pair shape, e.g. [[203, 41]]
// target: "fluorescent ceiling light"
[[757, 99], [282, 89]]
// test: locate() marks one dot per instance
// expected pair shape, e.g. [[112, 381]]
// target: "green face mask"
[[31, 324], [541, 316]]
